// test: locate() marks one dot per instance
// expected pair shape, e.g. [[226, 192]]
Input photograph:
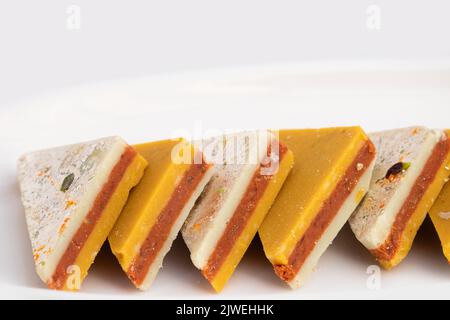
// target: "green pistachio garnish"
[[221, 190], [67, 182], [397, 168]]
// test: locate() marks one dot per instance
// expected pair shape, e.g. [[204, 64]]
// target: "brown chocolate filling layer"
[[166, 219], [390, 247], [327, 213], [84, 231], [241, 215]]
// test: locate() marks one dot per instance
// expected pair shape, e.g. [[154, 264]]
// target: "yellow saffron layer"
[[150, 196], [322, 156]]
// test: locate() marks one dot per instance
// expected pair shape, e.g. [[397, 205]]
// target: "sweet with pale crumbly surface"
[[73, 195], [408, 176], [227, 216]]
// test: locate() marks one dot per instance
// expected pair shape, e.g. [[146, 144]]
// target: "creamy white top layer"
[[373, 220], [208, 220], [54, 216]]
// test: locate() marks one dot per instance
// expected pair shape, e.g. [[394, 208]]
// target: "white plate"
[[375, 96]]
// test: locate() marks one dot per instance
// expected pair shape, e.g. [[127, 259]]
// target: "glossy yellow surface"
[[439, 213], [243, 242], [322, 157], [149, 197], [109, 216]]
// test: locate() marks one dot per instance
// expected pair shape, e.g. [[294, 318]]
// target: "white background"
[[141, 37]]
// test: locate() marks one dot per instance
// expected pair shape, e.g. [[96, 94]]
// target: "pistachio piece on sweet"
[[397, 168], [67, 182]]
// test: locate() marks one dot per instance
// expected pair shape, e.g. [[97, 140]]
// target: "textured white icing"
[[54, 216], [376, 215]]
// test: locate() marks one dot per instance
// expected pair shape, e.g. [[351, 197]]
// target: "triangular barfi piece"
[[440, 215], [250, 170], [409, 174], [330, 177], [72, 197], [158, 207]]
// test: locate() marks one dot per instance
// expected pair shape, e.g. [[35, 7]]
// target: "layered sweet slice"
[[72, 197], [440, 215], [250, 170], [409, 174], [330, 177], [158, 207]]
